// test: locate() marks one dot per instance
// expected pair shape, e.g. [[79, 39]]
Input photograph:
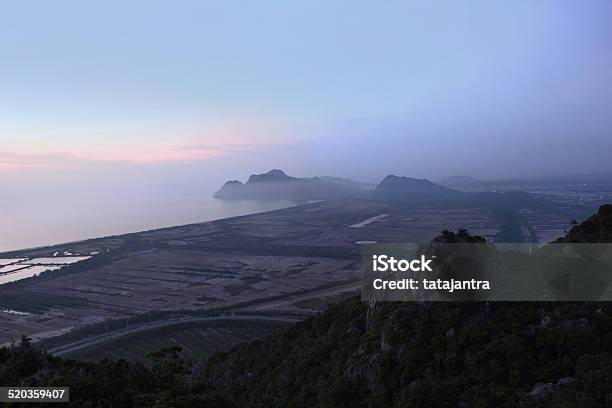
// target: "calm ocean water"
[[51, 218]]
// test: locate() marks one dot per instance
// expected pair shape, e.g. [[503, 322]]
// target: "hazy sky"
[[153, 91]]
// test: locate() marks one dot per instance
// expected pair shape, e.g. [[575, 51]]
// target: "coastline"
[[14, 252]]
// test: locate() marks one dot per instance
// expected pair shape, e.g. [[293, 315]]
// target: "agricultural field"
[[243, 262], [199, 339]]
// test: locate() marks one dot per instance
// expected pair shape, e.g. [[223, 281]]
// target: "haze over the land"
[[148, 110]]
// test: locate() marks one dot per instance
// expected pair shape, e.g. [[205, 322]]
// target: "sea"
[[53, 217]]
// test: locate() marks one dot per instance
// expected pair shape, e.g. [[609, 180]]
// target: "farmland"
[[198, 339], [290, 261]]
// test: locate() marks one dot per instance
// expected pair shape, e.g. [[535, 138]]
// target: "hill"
[[421, 192], [434, 355], [395, 188]]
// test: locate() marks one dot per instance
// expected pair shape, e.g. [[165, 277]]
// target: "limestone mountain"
[[276, 185]]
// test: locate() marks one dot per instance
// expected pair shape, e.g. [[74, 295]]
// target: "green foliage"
[[436, 355], [597, 228], [110, 383], [462, 235]]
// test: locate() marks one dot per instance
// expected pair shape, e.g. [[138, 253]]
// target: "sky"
[[352, 88], [119, 116]]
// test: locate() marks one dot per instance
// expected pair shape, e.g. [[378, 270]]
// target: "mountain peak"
[[271, 176], [233, 183]]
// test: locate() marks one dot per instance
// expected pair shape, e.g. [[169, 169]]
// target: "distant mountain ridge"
[[277, 185]]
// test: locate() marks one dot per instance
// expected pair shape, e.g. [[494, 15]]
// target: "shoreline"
[[12, 253]]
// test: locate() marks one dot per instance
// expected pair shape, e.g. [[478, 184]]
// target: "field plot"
[[58, 260], [198, 339], [12, 270], [5, 270], [370, 220], [24, 272], [4, 262]]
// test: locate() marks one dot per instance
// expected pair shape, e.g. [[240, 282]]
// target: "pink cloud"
[[151, 155], [19, 162], [138, 147], [136, 155]]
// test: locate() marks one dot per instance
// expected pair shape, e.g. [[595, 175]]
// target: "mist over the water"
[[53, 214]]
